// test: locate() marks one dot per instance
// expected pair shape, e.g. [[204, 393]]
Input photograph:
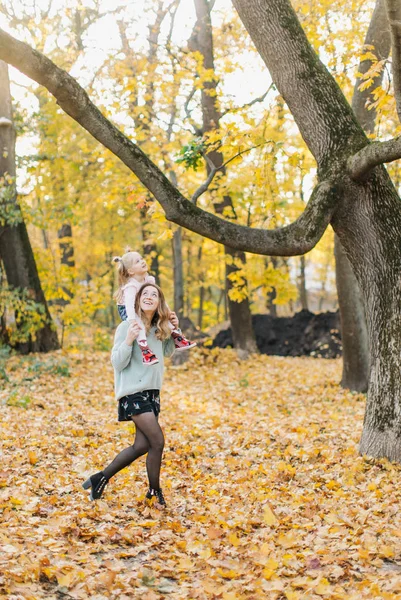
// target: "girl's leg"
[[149, 426], [148, 358], [141, 339], [127, 456]]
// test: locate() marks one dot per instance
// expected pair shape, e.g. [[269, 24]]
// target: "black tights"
[[149, 439]]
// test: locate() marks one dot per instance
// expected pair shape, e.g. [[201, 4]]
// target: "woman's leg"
[[148, 424], [127, 456]]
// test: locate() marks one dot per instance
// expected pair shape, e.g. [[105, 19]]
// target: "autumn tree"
[[27, 298], [354, 192], [356, 359], [239, 310]]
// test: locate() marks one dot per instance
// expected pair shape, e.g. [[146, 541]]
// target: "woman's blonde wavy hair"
[[160, 318]]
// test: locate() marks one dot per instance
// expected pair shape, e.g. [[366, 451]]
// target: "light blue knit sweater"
[[130, 374]]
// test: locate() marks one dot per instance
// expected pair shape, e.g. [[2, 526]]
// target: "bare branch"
[[213, 170], [297, 238], [173, 8], [360, 164], [202, 188], [195, 127], [394, 17], [248, 104]]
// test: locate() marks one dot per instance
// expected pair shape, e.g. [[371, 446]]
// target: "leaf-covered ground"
[[267, 495]]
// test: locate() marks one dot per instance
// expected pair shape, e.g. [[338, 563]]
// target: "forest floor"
[[267, 496]]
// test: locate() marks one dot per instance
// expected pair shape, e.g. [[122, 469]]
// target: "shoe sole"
[[186, 348]]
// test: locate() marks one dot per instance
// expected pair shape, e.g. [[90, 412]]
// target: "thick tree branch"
[[297, 238], [360, 164], [394, 17], [325, 120]]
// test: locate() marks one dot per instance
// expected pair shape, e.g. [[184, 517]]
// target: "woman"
[[137, 390]]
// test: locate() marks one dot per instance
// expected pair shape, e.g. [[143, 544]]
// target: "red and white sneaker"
[[148, 358], [180, 341]]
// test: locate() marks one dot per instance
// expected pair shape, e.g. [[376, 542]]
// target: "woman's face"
[[149, 301]]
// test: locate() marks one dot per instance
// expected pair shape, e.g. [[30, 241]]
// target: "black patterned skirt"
[[136, 404]]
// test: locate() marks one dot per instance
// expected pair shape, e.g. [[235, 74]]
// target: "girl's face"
[[149, 300], [138, 265]]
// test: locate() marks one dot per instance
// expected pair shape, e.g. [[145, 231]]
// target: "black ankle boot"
[[158, 495], [97, 483]]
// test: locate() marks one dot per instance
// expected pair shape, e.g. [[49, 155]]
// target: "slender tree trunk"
[[15, 248], [201, 301], [150, 250], [270, 305], [240, 314], [178, 274], [67, 259], [272, 294], [303, 293], [201, 286], [4, 339], [218, 304], [354, 335]]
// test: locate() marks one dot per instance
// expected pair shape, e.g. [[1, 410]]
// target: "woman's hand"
[[174, 319], [132, 333]]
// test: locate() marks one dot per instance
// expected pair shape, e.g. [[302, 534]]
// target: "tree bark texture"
[[303, 293], [178, 274], [15, 248], [356, 360], [354, 335]]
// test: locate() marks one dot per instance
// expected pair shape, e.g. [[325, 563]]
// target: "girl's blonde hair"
[[161, 317], [124, 263]]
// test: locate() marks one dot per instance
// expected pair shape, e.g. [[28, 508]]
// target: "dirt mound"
[[304, 334]]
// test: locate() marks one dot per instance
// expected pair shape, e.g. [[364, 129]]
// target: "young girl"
[[132, 274], [137, 390]]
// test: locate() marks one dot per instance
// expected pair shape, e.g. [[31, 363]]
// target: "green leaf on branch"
[[191, 155]]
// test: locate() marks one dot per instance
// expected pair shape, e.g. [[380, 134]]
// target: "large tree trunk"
[[15, 248], [356, 359], [367, 219], [240, 313]]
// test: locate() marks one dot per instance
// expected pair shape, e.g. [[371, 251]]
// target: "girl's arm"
[[121, 352], [129, 299]]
